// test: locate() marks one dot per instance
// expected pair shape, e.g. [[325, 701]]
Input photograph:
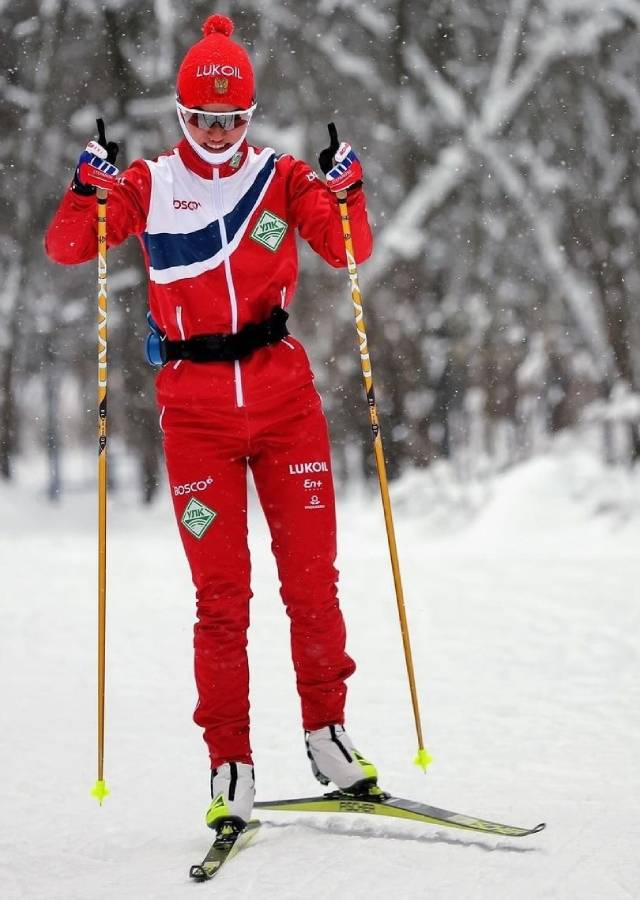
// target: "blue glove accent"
[[341, 167], [96, 162]]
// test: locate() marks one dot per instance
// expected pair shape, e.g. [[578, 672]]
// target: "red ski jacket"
[[220, 250]]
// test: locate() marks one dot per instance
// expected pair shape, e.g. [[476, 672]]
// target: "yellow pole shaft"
[[100, 790], [422, 759]]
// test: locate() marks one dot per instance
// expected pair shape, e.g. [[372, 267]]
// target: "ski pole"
[[100, 789], [422, 758]]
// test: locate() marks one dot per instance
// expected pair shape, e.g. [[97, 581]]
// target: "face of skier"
[[216, 139]]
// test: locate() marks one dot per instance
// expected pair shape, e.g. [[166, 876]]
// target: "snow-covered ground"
[[525, 623]]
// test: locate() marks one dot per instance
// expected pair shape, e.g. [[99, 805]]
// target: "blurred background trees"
[[500, 143]]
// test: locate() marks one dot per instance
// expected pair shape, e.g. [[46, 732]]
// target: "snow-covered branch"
[[628, 90], [580, 294], [379, 22], [557, 43], [354, 65], [629, 8], [429, 193], [509, 44], [17, 95], [502, 104], [445, 96]]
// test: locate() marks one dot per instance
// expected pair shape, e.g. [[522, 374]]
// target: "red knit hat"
[[216, 69]]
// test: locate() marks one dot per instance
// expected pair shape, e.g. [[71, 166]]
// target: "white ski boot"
[[233, 791], [335, 759]]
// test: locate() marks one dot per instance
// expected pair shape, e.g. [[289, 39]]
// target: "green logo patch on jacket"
[[269, 230]]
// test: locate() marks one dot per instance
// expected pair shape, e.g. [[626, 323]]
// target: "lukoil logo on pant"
[[197, 517], [307, 468]]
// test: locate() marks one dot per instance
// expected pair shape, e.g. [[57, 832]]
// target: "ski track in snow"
[[525, 631]]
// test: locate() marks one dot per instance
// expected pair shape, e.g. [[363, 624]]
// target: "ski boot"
[[335, 759], [233, 791]]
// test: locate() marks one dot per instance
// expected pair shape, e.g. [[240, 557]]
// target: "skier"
[[216, 219]]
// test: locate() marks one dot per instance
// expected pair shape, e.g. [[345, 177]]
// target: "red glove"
[[95, 167], [340, 164]]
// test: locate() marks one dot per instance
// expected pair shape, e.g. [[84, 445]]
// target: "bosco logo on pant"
[[180, 490]]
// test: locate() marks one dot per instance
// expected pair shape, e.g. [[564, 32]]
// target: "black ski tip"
[[198, 873], [540, 827]]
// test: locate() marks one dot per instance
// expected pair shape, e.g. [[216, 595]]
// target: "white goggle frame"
[[234, 118]]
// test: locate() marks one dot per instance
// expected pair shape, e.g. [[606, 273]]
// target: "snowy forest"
[[500, 147]]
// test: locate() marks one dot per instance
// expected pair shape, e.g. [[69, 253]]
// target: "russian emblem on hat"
[[221, 85]]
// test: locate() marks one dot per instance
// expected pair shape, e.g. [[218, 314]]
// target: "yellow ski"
[[382, 804]]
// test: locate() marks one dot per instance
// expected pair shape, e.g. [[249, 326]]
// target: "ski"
[[382, 804], [229, 842]]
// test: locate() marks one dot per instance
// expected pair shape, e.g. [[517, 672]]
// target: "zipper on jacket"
[[219, 210]]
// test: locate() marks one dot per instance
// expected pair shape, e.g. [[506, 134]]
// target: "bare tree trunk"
[[138, 417], [52, 417], [28, 201], [8, 417]]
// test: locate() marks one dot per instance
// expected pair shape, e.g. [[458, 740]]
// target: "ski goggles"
[[200, 118]]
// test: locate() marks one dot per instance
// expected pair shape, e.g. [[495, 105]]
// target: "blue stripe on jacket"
[[167, 250]]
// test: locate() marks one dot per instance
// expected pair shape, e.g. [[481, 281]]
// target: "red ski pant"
[[287, 448]]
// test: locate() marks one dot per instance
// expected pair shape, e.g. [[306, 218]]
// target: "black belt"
[[228, 347]]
